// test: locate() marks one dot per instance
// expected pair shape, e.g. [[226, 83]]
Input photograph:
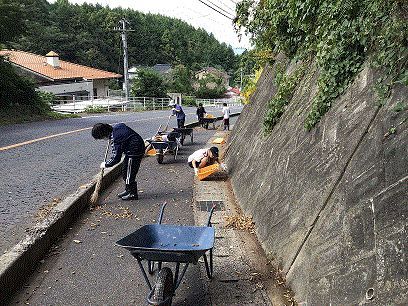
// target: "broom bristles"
[[95, 196]]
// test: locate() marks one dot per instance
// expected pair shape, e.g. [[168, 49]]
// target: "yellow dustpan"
[[206, 171], [151, 152], [219, 141]]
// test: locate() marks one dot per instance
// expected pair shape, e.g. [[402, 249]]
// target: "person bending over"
[[202, 158], [125, 141]]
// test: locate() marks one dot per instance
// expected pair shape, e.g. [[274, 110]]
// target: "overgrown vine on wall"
[[342, 34], [277, 106]]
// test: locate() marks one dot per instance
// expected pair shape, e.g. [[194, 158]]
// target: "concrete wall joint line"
[[334, 186]]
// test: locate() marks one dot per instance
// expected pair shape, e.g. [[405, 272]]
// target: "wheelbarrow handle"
[[161, 213], [211, 212]]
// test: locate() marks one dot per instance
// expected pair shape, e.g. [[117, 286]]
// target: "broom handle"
[[106, 152], [106, 156], [165, 129]]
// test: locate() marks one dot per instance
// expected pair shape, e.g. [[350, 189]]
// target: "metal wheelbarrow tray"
[[158, 243], [184, 132], [163, 147]]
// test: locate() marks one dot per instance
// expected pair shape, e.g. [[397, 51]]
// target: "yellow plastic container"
[[151, 152], [206, 171], [219, 141]]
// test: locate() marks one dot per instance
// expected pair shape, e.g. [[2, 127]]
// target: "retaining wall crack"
[[334, 186]]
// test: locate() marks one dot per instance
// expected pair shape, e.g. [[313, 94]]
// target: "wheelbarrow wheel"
[[160, 156], [164, 286]]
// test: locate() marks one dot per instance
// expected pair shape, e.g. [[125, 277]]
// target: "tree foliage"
[[339, 34], [148, 83], [210, 87], [84, 34]]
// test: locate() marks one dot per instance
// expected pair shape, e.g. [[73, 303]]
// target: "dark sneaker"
[[129, 197], [123, 193]]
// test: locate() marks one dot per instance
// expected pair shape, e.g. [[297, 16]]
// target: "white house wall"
[[70, 88], [101, 87]]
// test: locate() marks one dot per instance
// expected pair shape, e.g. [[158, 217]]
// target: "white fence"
[[73, 105], [220, 102], [76, 104]]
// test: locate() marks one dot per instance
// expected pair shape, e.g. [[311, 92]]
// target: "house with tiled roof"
[[51, 74], [162, 69], [203, 73]]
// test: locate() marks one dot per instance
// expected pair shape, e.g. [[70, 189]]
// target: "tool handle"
[[106, 151], [165, 129], [161, 213]]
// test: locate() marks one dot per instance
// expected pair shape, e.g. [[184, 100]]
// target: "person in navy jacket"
[[180, 115], [125, 141]]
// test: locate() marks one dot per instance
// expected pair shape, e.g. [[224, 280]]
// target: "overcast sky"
[[193, 12]]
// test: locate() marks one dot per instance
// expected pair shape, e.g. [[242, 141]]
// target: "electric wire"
[[225, 5], [215, 10], [220, 8]]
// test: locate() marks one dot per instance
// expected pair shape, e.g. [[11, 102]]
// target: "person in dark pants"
[[181, 117], [126, 141], [200, 114], [226, 116]]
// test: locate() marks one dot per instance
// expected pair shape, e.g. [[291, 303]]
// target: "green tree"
[[210, 87], [181, 80], [148, 83], [12, 23]]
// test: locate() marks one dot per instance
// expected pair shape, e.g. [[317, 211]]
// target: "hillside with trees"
[[85, 34]]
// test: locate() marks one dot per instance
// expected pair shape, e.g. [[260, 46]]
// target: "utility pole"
[[122, 29], [241, 81]]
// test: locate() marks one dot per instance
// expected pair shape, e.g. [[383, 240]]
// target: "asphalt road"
[[86, 268], [43, 162]]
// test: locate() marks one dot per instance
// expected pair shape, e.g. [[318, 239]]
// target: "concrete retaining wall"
[[330, 205]]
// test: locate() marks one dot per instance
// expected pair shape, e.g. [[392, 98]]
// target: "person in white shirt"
[[226, 115], [202, 158]]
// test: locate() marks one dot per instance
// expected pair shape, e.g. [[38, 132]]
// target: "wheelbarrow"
[[159, 243], [184, 132], [209, 119], [162, 147]]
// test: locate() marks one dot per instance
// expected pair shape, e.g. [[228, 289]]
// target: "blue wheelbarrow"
[[159, 243], [163, 147]]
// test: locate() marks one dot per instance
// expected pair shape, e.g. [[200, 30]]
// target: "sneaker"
[[129, 197]]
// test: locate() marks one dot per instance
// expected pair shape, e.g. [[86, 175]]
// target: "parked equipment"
[[158, 243], [184, 132], [209, 119]]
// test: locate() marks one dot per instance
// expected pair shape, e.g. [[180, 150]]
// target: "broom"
[[167, 125], [95, 196]]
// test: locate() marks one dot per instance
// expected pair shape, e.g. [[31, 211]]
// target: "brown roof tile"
[[66, 70]]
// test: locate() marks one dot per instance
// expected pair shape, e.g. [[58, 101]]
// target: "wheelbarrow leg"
[[139, 261], [209, 267]]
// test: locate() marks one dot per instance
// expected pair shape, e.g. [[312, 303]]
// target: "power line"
[[220, 8], [231, 9], [215, 10]]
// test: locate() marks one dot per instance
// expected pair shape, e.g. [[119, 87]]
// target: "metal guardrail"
[[111, 103], [220, 102], [74, 104]]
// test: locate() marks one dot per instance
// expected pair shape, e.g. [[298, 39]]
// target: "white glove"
[[103, 165], [196, 171], [223, 166]]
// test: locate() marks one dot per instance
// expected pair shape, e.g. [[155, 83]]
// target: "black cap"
[[214, 151]]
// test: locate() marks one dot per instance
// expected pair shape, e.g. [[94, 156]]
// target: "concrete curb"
[[18, 263]]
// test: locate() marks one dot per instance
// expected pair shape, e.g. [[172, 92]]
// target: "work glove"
[[103, 165], [196, 171]]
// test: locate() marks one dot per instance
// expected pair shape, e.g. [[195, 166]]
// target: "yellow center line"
[[42, 138], [74, 131]]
